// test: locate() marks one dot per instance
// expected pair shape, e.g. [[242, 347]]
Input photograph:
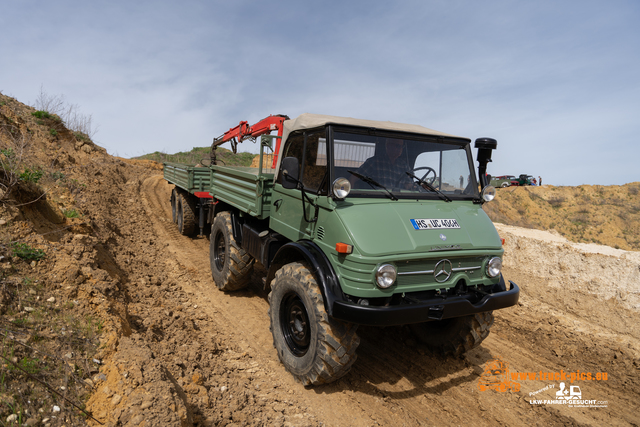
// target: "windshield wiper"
[[428, 186], [373, 183]]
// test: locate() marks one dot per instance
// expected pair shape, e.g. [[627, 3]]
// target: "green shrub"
[[71, 213], [41, 114], [29, 365], [53, 132], [31, 175], [81, 136], [26, 252], [8, 153]]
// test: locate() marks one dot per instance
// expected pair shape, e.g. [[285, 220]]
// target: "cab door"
[[287, 215]]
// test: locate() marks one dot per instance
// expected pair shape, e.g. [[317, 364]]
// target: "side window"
[[312, 159], [315, 162], [293, 148]]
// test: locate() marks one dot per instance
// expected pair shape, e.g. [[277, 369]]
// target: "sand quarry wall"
[[592, 281]]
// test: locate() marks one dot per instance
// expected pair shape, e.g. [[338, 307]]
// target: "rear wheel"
[[186, 217], [231, 266], [174, 206], [315, 348], [454, 337]]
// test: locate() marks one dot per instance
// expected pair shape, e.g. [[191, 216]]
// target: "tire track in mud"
[[193, 254], [539, 349], [395, 380]]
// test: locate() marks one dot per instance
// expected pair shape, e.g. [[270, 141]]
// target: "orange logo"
[[496, 377]]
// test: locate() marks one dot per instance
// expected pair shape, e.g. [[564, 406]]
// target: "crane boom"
[[243, 131]]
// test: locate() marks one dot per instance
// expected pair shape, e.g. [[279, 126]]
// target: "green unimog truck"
[[356, 222]]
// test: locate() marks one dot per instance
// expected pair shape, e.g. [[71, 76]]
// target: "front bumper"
[[423, 311]]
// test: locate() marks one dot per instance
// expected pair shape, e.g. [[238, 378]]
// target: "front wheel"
[[315, 348], [456, 336], [231, 266]]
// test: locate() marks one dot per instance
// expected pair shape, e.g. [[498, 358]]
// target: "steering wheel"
[[426, 177]]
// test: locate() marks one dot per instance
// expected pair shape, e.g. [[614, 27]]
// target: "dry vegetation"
[[49, 338], [586, 214]]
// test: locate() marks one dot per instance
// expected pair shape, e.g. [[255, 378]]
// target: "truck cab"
[[394, 235], [390, 219]]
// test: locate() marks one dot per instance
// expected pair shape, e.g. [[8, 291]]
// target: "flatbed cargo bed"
[[188, 177], [242, 187]]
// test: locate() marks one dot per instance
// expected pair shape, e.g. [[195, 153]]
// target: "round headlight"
[[385, 276], [488, 193], [341, 188], [494, 266]]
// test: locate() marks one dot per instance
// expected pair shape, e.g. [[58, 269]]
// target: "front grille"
[[423, 272]]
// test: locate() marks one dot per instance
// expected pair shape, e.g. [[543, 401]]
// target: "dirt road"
[[396, 381]]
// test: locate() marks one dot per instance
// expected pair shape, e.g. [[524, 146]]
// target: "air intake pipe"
[[485, 146]]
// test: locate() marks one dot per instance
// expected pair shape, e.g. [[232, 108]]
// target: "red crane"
[[244, 131]]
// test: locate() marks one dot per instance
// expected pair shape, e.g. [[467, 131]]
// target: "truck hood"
[[380, 228]]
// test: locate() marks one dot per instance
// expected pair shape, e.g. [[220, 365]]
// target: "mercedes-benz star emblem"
[[443, 237], [443, 269]]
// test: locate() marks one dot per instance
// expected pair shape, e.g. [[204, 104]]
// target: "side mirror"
[[289, 169]]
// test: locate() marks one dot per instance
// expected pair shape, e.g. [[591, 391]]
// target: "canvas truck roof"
[[310, 121]]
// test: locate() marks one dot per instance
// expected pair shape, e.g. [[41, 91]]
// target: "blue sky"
[[557, 83]]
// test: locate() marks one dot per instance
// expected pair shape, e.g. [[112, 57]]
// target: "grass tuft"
[[26, 252], [71, 213]]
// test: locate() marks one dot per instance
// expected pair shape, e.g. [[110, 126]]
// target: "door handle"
[[277, 203]]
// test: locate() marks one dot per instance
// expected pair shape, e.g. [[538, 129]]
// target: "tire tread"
[[240, 266], [187, 206], [337, 341], [465, 333]]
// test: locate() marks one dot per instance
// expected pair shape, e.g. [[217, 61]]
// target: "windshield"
[[377, 165]]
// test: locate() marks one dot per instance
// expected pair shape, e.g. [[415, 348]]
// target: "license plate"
[[434, 224]]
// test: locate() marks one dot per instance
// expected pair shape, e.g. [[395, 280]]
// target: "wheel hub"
[[295, 324], [219, 251]]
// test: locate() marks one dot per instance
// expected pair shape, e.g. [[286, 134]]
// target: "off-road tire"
[[314, 347], [231, 266], [186, 216], [454, 337], [505, 185], [174, 206]]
